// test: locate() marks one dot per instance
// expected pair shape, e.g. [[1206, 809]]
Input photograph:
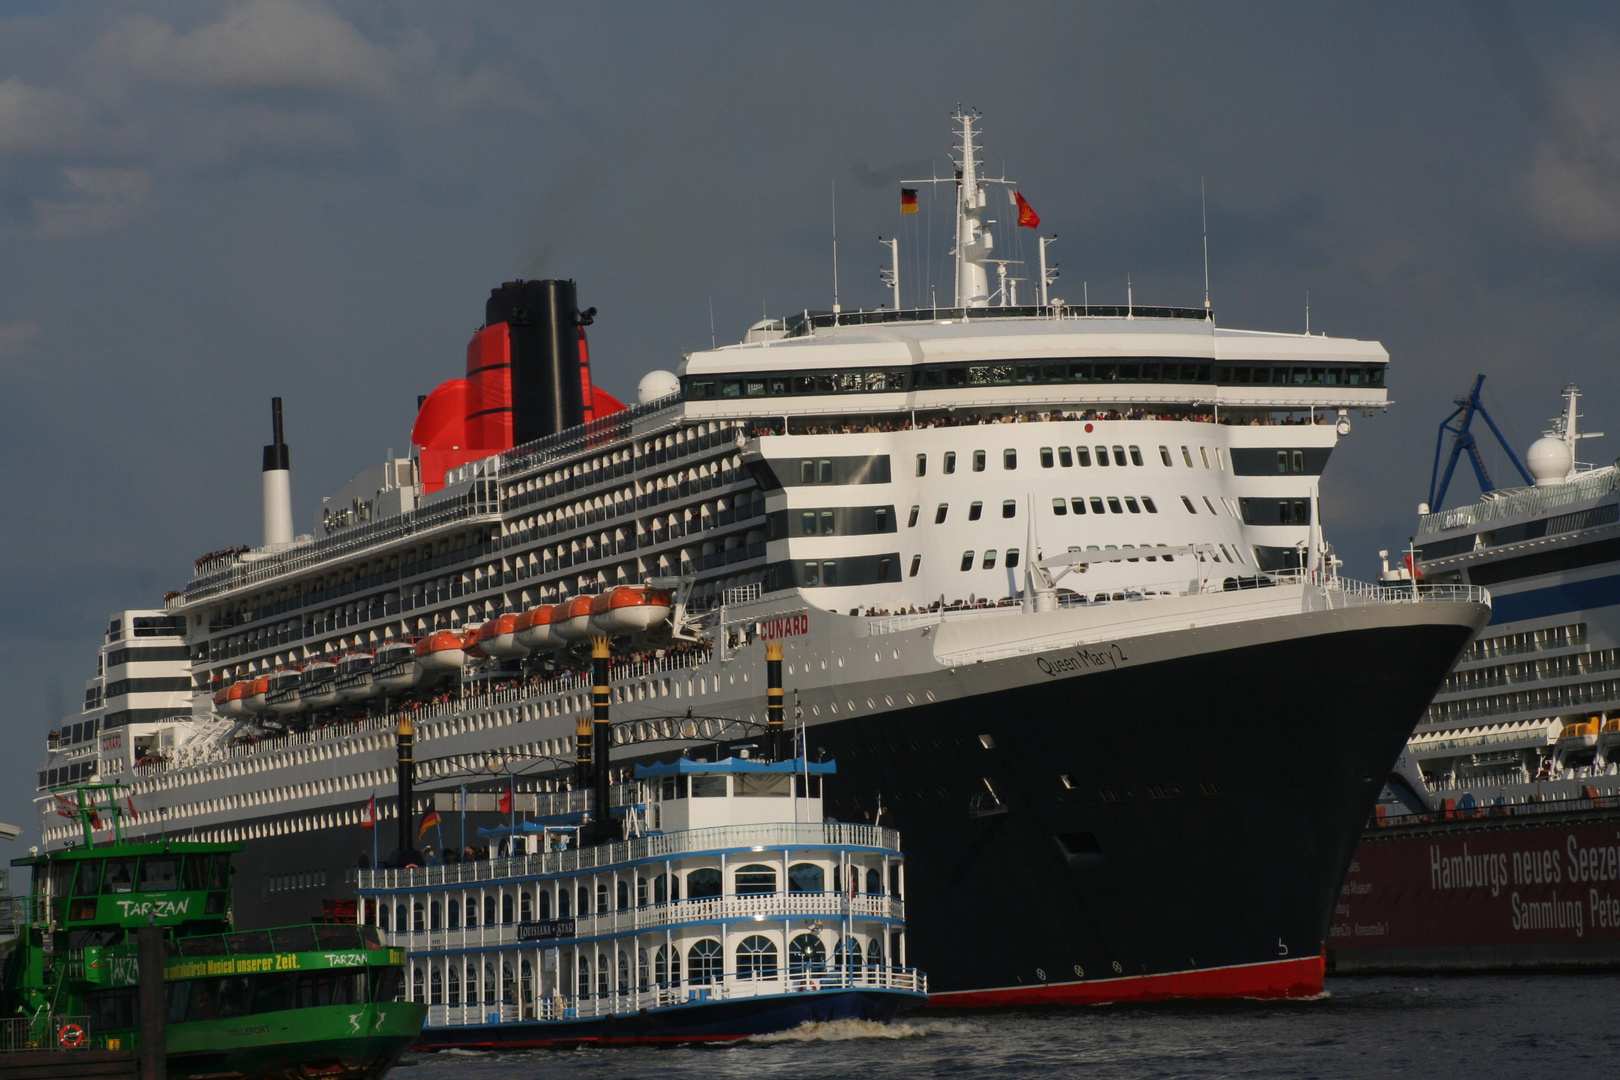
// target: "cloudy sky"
[[206, 204]]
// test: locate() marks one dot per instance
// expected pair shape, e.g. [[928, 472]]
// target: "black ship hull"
[[1179, 828]]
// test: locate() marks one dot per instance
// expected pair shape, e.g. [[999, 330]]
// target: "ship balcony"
[[692, 991], [827, 906]]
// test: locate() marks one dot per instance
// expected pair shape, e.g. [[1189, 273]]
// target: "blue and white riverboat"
[[730, 908]]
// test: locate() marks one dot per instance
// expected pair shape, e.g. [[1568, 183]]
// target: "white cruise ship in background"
[[998, 544]]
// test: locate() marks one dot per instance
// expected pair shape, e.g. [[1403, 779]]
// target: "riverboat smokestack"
[[278, 527], [601, 650]]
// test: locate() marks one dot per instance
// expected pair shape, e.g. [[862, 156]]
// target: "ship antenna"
[[1203, 207], [712, 344], [1307, 313], [836, 307]]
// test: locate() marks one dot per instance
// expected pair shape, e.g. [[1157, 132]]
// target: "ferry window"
[[1084, 456], [880, 519], [911, 522], [807, 523], [1164, 456], [806, 953], [453, 985], [1136, 455], [874, 886], [1102, 455], [88, 882], [1147, 504], [271, 992], [1188, 504], [1065, 459], [806, 877], [582, 898], [1009, 459], [1211, 506], [939, 515], [1009, 508], [1012, 558], [807, 471], [544, 906], [434, 920], [1299, 461], [828, 528], [811, 574], [120, 876], [624, 895], [701, 883], [950, 462], [563, 904], [704, 961], [756, 958], [916, 563], [967, 560], [1130, 504], [1119, 455], [824, 471], [922, 464], [1187, 457], [975, 511], [989, 560], [1097, 506], [435, 987], [978, 461], [829, 573], [584, 979], [1204, 454], [756, 878], [1047, 460], [400, 922], [418, 918], [1060, 507], [666, 966], [452, 915], [602, 897], [708, 787], [525, 906], [489, 911], [506, 907]]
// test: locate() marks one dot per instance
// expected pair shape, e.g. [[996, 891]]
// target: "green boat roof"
[[128, 850]]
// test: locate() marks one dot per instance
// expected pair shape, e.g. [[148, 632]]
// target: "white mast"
[[973, 242], [891, 276], [1048, 274]]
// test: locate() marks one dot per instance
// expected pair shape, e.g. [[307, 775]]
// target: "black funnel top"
[[543, 320], [275, 455]]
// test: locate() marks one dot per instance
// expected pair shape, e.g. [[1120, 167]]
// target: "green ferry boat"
[[303, 1001]]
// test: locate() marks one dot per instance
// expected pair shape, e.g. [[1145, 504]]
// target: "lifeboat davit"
[[535, 629], [318, 687], [236, 699], [283, 696], [254, 696], [396, 669], [354, 677], [498, 637], [629, 609], [572, 622], [442, 650]]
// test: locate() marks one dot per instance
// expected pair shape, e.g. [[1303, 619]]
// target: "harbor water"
[[1475, 1026]]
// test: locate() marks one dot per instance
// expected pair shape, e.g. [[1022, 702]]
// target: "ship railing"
[[667, 845], [50, 1032], [734, 908], [1593, 485], [731, 986], [16, 912], [1555, 805]]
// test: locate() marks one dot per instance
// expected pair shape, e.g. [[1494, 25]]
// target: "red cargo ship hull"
[[1530, 891]]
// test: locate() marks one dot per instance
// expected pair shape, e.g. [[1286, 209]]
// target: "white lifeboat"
[[396, 669], [572, 622], [318, 687], [535, 629], [354, 677], [442, 650], [254, 695], [498, 637], [629, 609], [283, 696]]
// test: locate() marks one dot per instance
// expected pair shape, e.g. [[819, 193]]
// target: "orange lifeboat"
[[535, 628], [236, 699], [629, 609], [573, 619], [442, 650], [254, 696], [498, 637]]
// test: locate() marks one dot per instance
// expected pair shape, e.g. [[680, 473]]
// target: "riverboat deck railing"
[[51, 1032], [658, 846], [735, 908], [724, 988]]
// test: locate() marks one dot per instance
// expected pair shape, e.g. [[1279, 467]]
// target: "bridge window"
[[1187, 457], [1136, 455]]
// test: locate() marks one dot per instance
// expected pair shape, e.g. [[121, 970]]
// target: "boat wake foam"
[[845, 1030]]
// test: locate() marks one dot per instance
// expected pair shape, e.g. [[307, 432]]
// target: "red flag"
[[506, 801], [130, 801], [368, 816], [66, 807], [1027, 217], [95, 819]]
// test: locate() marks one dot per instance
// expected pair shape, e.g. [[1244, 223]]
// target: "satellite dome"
[[657, 384], [1549, 461]]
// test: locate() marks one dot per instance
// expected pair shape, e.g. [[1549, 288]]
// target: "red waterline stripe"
[[1297, 978]]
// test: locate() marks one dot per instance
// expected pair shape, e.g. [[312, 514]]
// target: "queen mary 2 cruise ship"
[[1047, 580]]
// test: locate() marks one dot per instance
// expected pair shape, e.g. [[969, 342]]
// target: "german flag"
[[908, 200], [430, 819]]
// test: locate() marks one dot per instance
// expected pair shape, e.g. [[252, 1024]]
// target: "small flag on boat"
[[506, 801], [95, 819], [1027, 217], [368, 816], [908, 200], [129, 800], [65, 807], [428, 821]]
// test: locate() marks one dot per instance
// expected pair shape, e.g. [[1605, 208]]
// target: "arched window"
[[382, 916], [454, 986], [641, 892], [874, 883], [584, 981], [847, 955], [452, 911], [704, 961], [624, 972], [545, 903], [756, 958], [526, 905], [506, 907], [526, 987], [400, 917], [601, 897], [666, 966], [417, 993], [874, 952], [489, 911], [434, 921], [806, 953], [624, 895], [756, 878], [660, 890], [584, 899], [701, 883], [508, 984], [643, 974], [489, 984], [563, 905], [418, 917], [435, 988], [806, 877], [472, 913], [472, 984], [604, 975]]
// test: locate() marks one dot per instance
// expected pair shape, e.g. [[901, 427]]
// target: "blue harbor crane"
[[1463, 441]]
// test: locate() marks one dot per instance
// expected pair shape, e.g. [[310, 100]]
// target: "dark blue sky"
[[205, 204]]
